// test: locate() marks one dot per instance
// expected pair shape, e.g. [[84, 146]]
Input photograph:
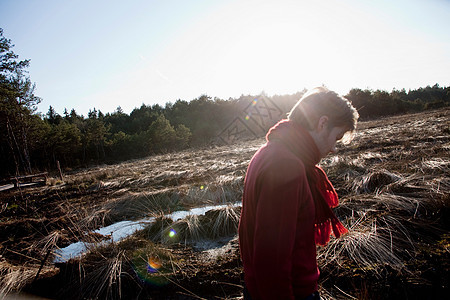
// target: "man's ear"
[[323, 123]]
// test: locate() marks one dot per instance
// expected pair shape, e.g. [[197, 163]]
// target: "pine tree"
[[17, 105]]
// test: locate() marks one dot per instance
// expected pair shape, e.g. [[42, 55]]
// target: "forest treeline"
[[32, 142]]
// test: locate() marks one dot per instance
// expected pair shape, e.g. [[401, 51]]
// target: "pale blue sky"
[[105, 54]]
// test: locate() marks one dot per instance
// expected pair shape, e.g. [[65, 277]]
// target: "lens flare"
[[150, 269], [172, 233], [153, 265]]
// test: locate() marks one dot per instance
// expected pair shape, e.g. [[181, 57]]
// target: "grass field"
[[393, 181]]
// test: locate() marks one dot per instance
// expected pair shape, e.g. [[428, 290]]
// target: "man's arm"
[[275, 230]]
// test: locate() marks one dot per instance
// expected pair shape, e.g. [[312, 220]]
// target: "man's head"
[[327, 116]]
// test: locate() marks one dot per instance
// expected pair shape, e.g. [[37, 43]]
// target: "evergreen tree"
[[53, 117], [17, 105], [162, 135]]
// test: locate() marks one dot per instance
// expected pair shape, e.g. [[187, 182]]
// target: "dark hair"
[[323, 102]]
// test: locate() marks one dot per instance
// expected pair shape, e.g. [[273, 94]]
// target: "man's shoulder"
[[275, 158]]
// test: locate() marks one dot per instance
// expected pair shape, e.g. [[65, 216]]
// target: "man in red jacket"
[[287, 200]]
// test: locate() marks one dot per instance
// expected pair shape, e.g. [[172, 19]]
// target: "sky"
[[104, 54]]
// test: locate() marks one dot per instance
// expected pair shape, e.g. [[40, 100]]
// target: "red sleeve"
[[276, 220]]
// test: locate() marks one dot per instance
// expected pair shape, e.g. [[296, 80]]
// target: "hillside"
[[393, 181]]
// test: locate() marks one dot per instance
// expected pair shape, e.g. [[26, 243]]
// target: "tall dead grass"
[[136, 205], [368, 245], [14, 278], [216, 223], [222, 222], [101, 272], [188, 229], [396, 191], [393, 182]]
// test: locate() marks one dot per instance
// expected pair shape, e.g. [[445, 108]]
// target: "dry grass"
[[222, 222], [14, 278], [186, 230], [132, 206], [393, 181], [100, 271], [216, 223], [105, 278], [155, 231], [49, 242], [375, 182], [368, 246]]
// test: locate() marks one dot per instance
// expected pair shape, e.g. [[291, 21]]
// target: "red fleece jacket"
[[276, 230]]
